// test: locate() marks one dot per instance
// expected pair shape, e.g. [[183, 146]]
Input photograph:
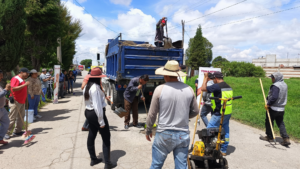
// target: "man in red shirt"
[[19, 92]]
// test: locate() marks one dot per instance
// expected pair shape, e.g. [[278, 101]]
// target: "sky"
[[240, 30]]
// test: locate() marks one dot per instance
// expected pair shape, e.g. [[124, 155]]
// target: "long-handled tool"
[[195, 129], [262, 88], [168, 41], [119, 111], [154, 125]]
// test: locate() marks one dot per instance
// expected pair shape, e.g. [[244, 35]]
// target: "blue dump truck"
[[128, 59]]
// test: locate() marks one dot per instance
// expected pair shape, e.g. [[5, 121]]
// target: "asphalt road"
[[61, 144]]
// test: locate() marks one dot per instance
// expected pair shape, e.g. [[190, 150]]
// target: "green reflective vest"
[[213, 103], [184, 79], [227, 93]]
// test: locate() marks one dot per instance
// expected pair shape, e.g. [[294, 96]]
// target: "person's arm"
[[44, 78], [152, 114], [83, 84], [275, 95], [194, 109], [131, 86], [30, 90], [15, 85], [204, 84], [98, 107], [4, 91]]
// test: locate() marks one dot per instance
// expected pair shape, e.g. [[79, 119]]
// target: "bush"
[[240, 69]]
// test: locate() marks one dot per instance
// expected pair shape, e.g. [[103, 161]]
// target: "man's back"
[[176, 104]]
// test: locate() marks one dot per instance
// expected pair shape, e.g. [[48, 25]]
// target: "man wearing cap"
[[220, 89], [4, 119], [209, 105], [44, 80], [50, 82], [132, 95], [176, 103], [277, 99], [17, 108], [160, 32]]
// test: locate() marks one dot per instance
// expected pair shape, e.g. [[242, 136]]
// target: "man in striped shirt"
[[50, 82]]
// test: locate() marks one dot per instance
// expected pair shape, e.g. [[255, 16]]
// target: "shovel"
[[119, 111], [167, 41], [145, 126]]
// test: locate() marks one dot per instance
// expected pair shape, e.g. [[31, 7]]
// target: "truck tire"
[[114, 95], [108, 93]]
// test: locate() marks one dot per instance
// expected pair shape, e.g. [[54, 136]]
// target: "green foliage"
[[12, 27], [240, 69], [71, 31], [191, 82], [199, 52], [86, 62], [43, 29], [219, 60]]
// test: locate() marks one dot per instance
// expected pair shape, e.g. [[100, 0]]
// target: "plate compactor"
[[206, 154]]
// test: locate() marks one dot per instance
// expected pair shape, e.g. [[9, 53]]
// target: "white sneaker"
[[38, 116]]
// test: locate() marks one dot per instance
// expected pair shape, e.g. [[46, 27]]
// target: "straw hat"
[[171, 68]]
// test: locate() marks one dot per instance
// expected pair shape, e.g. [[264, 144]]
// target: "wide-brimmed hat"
[[33, 71], [95, 73], [171, 68]]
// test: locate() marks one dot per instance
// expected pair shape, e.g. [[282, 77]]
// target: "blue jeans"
[[74, 77], [34, 103], [44, 91], [215, 122], [167, 141], [70, 85], [204, 111], [4, 121]]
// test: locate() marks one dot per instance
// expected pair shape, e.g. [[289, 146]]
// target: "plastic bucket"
[[30, 116]]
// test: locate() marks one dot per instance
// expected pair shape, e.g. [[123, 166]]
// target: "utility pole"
[[59, 47], [182, 22]]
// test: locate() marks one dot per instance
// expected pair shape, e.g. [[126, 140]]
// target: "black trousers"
[[49, 91], [94, 129], [278, 117]]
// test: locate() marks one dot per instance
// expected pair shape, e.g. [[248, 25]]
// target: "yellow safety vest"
[[227, 93]]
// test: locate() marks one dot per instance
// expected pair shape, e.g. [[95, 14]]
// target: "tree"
[[12, 27], [199, 52], [71, 31], [43, 29], [86, 62], [218, 60]]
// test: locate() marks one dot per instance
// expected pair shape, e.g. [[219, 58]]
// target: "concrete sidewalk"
[[61, 144]]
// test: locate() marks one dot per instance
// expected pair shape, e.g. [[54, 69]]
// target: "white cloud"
[[280, 47], [121, 2], [297, 45]]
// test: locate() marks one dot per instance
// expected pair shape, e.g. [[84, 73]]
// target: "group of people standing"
[[66, 82]]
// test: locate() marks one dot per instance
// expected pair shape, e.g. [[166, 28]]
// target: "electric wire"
[[94, 17]]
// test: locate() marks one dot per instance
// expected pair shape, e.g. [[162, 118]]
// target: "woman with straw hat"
[[95, 114]]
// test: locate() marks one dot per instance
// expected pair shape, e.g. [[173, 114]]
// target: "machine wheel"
[[225, 166], [114, 96], [108, 92], [193, 166]]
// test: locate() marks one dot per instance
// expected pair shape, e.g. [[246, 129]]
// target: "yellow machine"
[[199, 149]]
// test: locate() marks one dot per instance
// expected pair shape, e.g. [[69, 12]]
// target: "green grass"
[[250, 109]]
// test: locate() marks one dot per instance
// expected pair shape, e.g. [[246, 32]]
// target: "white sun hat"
[[171, 68]]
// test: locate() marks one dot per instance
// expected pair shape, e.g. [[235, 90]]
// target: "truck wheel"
[[108, 93], [113, 96]]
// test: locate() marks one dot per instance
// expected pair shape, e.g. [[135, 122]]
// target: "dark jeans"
[[278, 117], [205, 110], [49, 91], [61, 89], [94, 129]]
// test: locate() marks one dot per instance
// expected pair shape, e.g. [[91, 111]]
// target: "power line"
[[212, 13], [243, 20], [94, 17]]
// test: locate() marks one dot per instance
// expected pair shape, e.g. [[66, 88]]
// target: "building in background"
[[288, 67]]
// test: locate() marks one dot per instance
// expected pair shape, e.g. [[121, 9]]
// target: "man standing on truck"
[[160, 32], [132, 95]]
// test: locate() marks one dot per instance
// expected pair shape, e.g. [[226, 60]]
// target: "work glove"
[[266, 107]]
